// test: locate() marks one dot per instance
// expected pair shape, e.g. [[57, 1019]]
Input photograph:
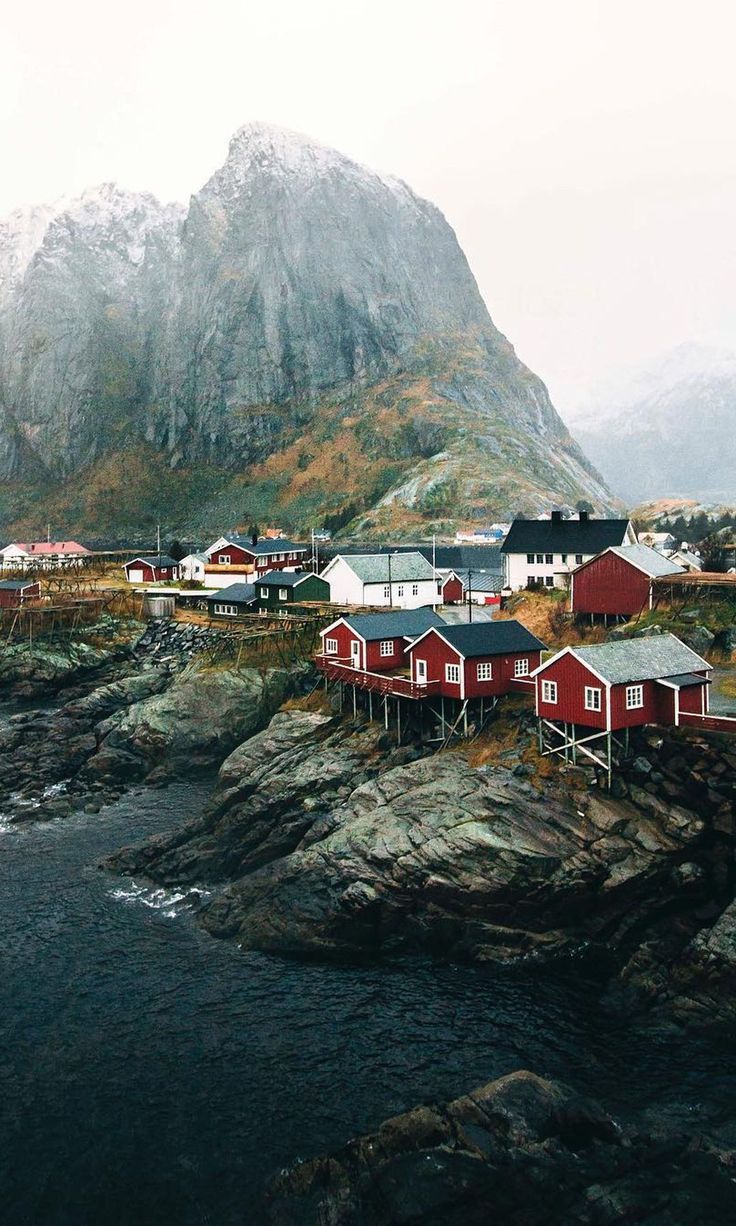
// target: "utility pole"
[[390, 587], [158, 542], [470, 596]]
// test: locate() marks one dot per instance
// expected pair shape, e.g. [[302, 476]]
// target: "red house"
[[155, 569], [256, 556], [613, 686], [452, 590], [15, 592], [375, 642], [618, 581], [479, 660]]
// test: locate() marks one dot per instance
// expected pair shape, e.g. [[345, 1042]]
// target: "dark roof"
[[446, 557], [156, 559], [403, 623], [287, 578], [683, 680], [236, 593], [564, 536], [15, 585], [270, 545], [495, 638]]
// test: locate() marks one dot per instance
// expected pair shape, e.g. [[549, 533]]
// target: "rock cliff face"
[[300, 297]]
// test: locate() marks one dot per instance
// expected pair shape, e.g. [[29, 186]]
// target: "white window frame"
[[593, 698], [530, 559], [264, 593], [283, 593], [549, 692], [634, 697], [540, 559], [330, 647], [549, 581], [579, 559], [386, 648], [452, 674], [521, 668], [549, 559], [400, 590], [387, 590], [224, 559], [484, 671], [415, 589]]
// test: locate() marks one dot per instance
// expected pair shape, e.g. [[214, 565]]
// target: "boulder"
[[699, 638]]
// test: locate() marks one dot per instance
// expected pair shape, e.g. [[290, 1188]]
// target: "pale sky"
[[583, 151]]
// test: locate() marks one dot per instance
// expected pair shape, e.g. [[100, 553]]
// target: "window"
[[452, 673], [549, 691], [224, 559], [230, 610], [283, 593], [264, 593], [415, 589], [331, 647], [400, 590], [540, 557], [282, 557], [387, 647], [521, 668], [578, 559], [549, 559], [634, 697], [530, 580], [484, 672], [549, 581], [530, 559], [387, 592], [592, 698], [563, 558]]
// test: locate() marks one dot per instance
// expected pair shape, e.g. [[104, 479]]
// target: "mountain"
[[668, 431], [305, 342]]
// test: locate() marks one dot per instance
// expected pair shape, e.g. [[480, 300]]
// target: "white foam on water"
[[170, 903]]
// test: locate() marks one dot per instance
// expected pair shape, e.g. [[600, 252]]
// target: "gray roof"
[[683, 680], [236, 593], [404, 623], [157, 559], [286, 578], [402, 567], [495, 638], [649, 560], [272, 545], [15, 585], [480, 581], [643, 659]]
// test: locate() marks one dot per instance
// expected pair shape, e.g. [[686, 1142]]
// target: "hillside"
[[305, 342]]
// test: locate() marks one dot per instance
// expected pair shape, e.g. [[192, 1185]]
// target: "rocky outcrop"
[[520, 1151], [38, 670]]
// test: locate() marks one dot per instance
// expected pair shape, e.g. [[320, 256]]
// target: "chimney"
[[583, 516], [557, 517]]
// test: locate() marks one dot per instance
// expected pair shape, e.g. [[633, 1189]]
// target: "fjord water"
[[151, 1074]]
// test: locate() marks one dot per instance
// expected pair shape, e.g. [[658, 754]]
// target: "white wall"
[[347, 588]]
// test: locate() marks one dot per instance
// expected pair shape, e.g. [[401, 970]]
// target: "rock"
[[519, 1151], [699, 638]]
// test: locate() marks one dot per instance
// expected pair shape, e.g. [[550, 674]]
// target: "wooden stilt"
[[398, 721], [355, 701], [370, 705]]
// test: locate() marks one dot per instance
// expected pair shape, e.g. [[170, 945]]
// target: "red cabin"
[[618, 581], [256, 556], [15, 592], [612, 686], [451, 589], [376, 642], [156, 569], [478, 660]]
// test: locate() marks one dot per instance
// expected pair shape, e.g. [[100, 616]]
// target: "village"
[[598, 628]]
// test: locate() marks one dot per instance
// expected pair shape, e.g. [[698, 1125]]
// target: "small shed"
[[618, 581], [15, 592], [156, 568], [233, 601]]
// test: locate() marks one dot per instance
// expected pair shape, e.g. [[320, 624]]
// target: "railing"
[[712, 723], [378, 683]]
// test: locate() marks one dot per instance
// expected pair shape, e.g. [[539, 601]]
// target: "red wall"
[[693, 699], [572, 677], [452, 591], [240, 556], [12, 597], [438, 653], [370, 653], [609, 584]]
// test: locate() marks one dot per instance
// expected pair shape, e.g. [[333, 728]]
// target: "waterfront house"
[[376, 642], [15, 592], [156, 568], [397, 580], [545, 551], [618, 581], [253, 557], [233, 600], [41, 555], [612, 686], [279, 589], [480, 660]]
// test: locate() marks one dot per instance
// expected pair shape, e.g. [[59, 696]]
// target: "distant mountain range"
[[303, 344], [668, 432]]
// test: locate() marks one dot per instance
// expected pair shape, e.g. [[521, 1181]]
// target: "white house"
[[192, 567], [545, 551], [690, 561], [663, 542], [398, 580], [46, 555]]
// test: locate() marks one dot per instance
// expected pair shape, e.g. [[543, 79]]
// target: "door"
[[355, 653], [421, 670]]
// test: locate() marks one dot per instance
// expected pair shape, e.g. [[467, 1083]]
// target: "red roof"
[[51, 547]]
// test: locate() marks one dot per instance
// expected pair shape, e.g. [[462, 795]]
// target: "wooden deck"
[[377, 683]]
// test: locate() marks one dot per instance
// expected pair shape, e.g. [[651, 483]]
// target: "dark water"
[[153, 1075]]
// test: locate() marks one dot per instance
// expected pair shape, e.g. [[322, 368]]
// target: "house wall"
[[571, 677], [312, 588], [693, 699], [452, 591], [12, 597], [376, 663], [347, 588], [611, 585], [345, 637], [518, 571], [656, 709], [438, 653], [241, 556]]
